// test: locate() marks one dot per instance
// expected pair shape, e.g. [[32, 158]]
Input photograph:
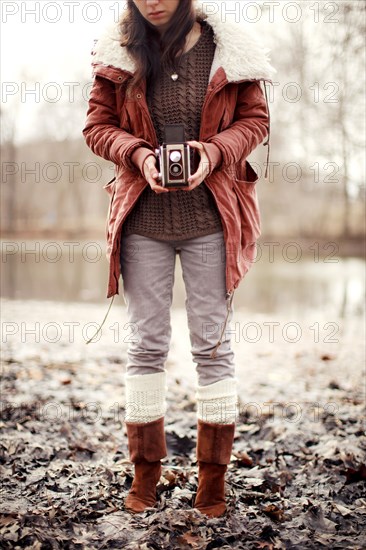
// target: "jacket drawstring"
[[105, 317], [269, 129], [229, 309]]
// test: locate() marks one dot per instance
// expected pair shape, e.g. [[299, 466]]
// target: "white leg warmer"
[[217, 403], [145, 397]]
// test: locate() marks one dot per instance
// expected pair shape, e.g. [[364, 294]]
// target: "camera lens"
[[176, 169], [175, 156]]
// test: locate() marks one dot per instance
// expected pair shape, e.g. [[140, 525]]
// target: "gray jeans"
[[147, 267]]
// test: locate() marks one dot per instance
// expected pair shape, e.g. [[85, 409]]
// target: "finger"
[[157, 187], [192, 186], [195, 145], [153, 173], [151, 177], [198, 176], [193, 183]]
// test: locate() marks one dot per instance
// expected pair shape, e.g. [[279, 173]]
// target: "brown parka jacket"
[[235, 119]]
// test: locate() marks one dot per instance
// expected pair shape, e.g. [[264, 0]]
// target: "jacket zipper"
[[148, 116], [153, 133], [146, 183]]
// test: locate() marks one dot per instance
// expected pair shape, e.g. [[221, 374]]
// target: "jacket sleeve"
[[249, 128], [102, 130]]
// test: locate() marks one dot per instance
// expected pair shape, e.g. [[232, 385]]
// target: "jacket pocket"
[[246, 194], [245, 175], [109, 187]]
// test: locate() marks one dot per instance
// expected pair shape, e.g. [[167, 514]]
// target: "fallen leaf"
[[243, 459], [274, 512], [342, 509], [191, 539]]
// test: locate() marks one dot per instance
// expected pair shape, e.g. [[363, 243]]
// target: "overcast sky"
[[56, 41]]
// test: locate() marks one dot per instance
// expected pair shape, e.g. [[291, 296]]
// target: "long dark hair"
[[151, 51]]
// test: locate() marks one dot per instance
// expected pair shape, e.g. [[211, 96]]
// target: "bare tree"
[[345, 42], [8, 156]]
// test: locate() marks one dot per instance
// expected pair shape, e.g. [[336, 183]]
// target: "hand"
[[151, 174], [203, 168]]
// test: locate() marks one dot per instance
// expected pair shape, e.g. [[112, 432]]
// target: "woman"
[[167, 62]]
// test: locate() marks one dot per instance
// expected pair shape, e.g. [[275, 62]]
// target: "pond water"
[[278, 282]]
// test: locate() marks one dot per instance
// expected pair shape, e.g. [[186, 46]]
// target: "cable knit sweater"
[[179, 215]]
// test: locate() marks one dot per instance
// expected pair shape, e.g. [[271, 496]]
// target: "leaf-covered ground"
[[297, 475]]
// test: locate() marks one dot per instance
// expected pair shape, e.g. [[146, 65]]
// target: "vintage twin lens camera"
[[175, 158]]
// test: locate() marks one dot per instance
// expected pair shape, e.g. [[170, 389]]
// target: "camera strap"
[[105, 317], [229, 303]]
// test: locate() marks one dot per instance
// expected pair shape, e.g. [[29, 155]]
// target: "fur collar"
[[238, 51]]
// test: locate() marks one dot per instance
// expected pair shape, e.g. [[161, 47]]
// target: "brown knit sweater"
[[179, 215]]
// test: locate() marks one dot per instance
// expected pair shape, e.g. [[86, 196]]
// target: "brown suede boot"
[[214, 446], [147, 446]]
